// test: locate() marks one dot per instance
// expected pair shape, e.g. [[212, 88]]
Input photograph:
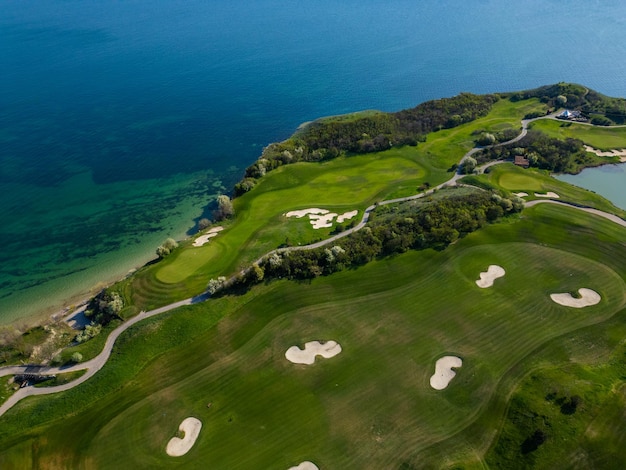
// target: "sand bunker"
[[610, 153], [522, 194], [201, 240], [587, 297], [486, 278], [303, 212], [548, 194], [305, 466], [177, 446], [346, 216], [311, 349], [322, 218], [443, 371]]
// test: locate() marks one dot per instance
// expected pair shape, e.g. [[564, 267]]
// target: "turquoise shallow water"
[[120, 120]]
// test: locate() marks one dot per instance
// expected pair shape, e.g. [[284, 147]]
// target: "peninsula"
[[477, 304]]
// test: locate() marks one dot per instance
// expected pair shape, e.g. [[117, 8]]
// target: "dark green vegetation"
[[546, 153], [541, 384], [369, 132], [605, 109], [435, 222]]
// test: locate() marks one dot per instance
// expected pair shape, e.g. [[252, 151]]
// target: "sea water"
[[120, 121]]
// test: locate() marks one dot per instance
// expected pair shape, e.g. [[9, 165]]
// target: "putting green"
[[378, 388], [518, 182]]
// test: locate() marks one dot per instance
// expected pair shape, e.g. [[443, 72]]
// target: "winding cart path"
[[94, 365]]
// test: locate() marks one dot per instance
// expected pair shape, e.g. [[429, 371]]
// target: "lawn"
[[369, 407], [339, 185], [509, 177], [600, 137]]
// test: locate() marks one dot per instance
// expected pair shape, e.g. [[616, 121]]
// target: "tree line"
[[601, 109], [432, 222], [365, 133], [544, 152]]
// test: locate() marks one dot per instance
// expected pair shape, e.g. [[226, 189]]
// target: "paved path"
[[94, 365], [613, 218]]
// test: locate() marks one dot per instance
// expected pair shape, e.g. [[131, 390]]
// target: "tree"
[[203, 223], [561, 100], [215, 285], [166, 248], [225, 208], [468, 165], [77, 357], [89, 332], [486, 139]]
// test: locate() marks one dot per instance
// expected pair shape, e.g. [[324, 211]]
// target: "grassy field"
[[369, 407], [338, 185], [603, 138], [509, 177]]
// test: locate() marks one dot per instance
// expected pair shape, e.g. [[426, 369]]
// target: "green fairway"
[[600, 137], [339, 185], [372, 406], [369, 407], [512, 178]]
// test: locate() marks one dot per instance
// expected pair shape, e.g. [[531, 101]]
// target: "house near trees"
[[522, 161], [571, 115]]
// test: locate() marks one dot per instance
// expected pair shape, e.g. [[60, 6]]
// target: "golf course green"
[[541, 384]]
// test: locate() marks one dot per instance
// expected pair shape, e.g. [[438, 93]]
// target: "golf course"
[[502, 348]]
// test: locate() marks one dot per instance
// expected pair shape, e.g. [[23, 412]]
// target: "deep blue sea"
[[120, 120]]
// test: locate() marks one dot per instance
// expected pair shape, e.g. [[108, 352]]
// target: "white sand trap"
[[201, 240], [610, 153], [587, 297], [305, 466], [346, 216], [177, 446], [322, 220], [548, 194], [303, 212], [487, 277], [311, 349], [443, 371], [522, 194]]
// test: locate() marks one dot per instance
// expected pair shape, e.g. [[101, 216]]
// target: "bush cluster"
[[544, 152], [580, 98], [432, 222]]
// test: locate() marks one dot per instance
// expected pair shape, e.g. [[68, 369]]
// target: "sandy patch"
[[303, 212], [346, 216], [177, 446], [321, 218], [610, 153], [443, 371], [548, 194], [587, 297], [487, 277], [311, 349], [305, 466], [522, 194], [201, 240]]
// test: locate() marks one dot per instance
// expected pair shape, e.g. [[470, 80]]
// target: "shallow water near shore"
[[119, 121]]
